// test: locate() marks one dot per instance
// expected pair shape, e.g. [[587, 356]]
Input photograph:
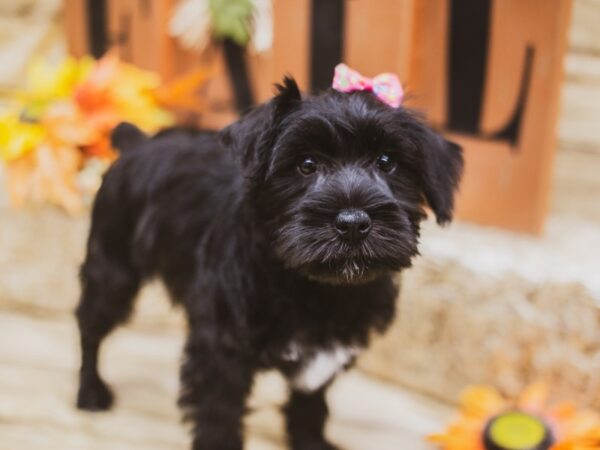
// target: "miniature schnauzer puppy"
[[280, 237]]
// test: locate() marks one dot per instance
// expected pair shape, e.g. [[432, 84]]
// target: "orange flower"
[[489, 421]]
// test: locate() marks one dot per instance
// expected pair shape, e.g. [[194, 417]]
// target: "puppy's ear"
[[442, 166], [287, 97], [252, 137], [126, 136]]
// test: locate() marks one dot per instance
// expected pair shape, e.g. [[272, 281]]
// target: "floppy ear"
[[252, 137], [442, 166]]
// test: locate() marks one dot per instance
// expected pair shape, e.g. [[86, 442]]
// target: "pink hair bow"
[[385, 86]]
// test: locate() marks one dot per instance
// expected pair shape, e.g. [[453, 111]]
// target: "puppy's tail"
[[127, 136]]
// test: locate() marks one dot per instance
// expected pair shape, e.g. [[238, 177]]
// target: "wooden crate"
[[487, 73]]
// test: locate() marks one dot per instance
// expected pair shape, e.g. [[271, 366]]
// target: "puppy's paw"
[[321, 445], [325, 446], [94, 395]]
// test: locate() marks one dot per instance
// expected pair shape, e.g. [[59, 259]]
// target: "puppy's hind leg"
[[306, 414], [109, 285]]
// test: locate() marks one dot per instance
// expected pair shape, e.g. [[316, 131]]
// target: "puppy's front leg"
[[215, 384], [306, 414]]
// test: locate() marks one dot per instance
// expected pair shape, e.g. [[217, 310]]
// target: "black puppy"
[[280, 237]]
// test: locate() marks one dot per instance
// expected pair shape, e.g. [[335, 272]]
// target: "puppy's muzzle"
[[352, 225]]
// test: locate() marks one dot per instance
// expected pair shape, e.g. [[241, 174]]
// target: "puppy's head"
[[340, 181]]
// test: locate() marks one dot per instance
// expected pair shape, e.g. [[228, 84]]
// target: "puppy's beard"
[[352, 271], [349, 273], [325, 258]]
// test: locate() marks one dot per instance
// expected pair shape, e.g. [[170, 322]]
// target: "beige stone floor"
[[40, 250], [38, 359]]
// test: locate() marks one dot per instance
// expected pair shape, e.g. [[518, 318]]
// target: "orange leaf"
[[180, 93]]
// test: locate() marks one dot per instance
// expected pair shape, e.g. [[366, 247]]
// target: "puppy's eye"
[[386, 162], [307, 166]]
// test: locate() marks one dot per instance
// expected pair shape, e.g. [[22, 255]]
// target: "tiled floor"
[[38, 359]]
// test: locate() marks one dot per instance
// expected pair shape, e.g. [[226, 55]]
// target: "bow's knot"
[[385, 86]]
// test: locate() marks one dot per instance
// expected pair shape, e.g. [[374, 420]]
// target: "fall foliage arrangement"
[[55, 134]]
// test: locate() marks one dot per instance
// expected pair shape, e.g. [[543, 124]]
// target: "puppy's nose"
[[353, 224]]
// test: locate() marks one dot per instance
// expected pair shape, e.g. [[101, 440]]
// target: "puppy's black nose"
[[353, 224]]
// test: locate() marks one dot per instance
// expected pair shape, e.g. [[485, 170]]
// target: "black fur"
[[246, 244]]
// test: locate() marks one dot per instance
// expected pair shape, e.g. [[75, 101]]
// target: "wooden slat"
[[119, 23], [146, 34], [507, 50], [378, 35], [426, 80], [76, 27], [291, 40], [261, 72], [585, 33], [581, 93]]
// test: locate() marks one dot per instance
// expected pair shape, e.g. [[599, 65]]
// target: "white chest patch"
[[322, 367]]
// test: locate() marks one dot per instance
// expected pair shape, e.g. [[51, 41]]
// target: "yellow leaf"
[[18, 138]]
